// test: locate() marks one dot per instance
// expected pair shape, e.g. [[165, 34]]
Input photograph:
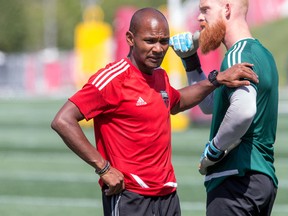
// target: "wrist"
[[105, 169], [212, 77], [192, 63], [213, 153]]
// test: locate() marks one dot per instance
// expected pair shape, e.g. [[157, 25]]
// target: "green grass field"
[[41, 176], [273, 36]]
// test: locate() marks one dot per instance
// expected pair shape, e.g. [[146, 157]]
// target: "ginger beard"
[[212, 36]]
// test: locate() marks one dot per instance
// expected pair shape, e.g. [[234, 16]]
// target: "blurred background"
[[49, 49]]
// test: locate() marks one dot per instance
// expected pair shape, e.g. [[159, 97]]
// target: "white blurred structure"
[[259, 11], [52, 72]]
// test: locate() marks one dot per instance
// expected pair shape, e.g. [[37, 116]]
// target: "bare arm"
[[190, 96], [66, 125]]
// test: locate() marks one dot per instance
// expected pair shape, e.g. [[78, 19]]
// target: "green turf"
[[41, 176], [273, 35]]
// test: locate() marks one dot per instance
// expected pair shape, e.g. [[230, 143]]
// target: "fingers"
[[204, 164], [115, 188], [112, 190], [237, 83], [114, 179], [245, 74], [248, 73], [181, 42], [196, 35], [188, 43], [184, 44], [238, 75], [246, 64]]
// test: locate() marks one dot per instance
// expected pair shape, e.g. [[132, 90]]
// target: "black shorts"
[[131, 204], [253, 194]]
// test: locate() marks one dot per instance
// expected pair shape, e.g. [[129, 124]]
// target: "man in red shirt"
[[130, 102]]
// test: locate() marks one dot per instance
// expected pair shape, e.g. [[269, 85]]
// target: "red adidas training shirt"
[[131, 112]]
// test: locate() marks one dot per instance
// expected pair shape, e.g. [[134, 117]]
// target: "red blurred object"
[[52, 75], [121, 26]]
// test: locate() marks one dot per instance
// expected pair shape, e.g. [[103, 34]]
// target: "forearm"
[[74, 138], [66, 125], [193, 95], [238, 117], [232, 77], [206, 105]]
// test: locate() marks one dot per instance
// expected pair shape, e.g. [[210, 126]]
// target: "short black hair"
[[141, 14]]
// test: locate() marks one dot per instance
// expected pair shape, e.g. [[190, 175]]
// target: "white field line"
[[95, 203], [283, 107], [200, 206], [45, 201], [86, 178], [283, 101], [43, 157], [73, 177], [49, 176], [25, 174], [55, 158]]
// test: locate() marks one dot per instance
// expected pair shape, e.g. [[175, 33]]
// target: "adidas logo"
[[140, 102]]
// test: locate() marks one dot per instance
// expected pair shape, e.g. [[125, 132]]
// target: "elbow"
[[176, 109], [54, 124], [173, 112], [206, 105], [206, 110], [247, 116], [251, 112], [57, 123]]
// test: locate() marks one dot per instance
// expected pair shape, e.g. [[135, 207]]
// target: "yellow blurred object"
[[92, 44], [179, 122], [86, 124], [177, 76], [173, 65]]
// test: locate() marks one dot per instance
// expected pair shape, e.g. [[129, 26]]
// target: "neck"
[[236, 31], [141, 68]]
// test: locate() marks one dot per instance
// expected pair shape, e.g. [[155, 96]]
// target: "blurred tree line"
[[29, 25]]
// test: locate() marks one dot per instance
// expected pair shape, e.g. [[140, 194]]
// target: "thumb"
[[195, 39], [108, 191], [196, 36]]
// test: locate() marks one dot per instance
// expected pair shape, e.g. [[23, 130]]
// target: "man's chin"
[[212, 37], [208, 47], [154, 64]]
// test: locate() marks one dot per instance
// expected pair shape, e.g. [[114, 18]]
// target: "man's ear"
[[130, 38], [227, 10]]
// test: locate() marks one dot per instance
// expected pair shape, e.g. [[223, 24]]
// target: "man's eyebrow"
[[201, 8]]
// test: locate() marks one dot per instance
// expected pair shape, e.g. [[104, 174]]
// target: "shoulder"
[[242, 51], [111, 73]]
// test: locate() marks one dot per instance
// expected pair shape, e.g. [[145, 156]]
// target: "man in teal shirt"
[[238, 160]]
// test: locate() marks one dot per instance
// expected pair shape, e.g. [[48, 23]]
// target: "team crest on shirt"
[[165, 98]]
